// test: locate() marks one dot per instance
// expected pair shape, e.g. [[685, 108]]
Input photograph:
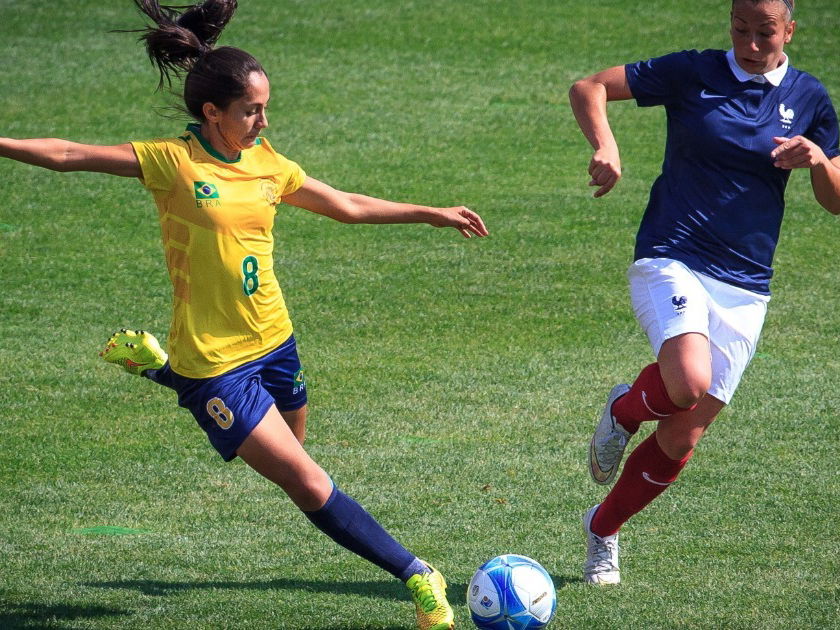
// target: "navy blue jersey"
[[718, 204]]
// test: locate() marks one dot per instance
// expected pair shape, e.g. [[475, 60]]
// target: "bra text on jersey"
[[206, 195]]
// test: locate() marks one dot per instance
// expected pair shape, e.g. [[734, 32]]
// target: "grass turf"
[[454, 384]]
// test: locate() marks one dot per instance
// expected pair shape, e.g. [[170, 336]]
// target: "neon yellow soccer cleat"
[[135, 350], [429, 594]]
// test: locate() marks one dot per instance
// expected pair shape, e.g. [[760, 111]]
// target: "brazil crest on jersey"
[[718, 204], [216, 219]]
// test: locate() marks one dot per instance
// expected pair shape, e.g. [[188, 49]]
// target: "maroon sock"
[[647, 473], [647, 400]]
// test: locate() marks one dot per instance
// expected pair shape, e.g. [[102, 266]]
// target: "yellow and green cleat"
[[135, 350], [428, 590]]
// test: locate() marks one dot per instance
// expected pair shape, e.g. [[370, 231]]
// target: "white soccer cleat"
[[609, 441], [601, 566]]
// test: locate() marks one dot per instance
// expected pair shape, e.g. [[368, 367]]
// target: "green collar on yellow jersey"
[[195, 129]]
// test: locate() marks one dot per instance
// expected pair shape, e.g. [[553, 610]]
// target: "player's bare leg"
[[675, 383], [273, 450], [680, 378], [685, 363], [652, 467], [678, 434], [296, 419]]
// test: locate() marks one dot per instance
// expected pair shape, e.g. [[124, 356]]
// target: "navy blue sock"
[[348, 524]]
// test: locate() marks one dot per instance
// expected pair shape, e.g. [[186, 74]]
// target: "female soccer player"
[[233, 358], [738, 122]]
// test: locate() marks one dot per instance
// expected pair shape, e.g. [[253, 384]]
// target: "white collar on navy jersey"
[[774, 77]]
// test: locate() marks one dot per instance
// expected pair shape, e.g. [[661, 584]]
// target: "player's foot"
[[428, 590], [609, 441], [135, 350], [601, 566]]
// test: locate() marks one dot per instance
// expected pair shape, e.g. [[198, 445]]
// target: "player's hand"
[[462, 219], [796, 152], [605, 170]]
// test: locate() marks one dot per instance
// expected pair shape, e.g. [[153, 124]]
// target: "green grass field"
[[454, 384]]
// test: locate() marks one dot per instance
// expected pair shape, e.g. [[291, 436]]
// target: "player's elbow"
[[577, 90], [583, 89], [578, 86], [825, 184], [60, 166], [61, 159], [830, 202], [584, 94], [349, 211], [343, 213]]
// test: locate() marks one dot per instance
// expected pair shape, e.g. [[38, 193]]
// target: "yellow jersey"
[[216, 219]]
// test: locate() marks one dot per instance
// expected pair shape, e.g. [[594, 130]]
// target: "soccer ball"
[[511, 592]]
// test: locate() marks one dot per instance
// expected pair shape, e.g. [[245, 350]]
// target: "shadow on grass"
[[29, 616], [32, 615], [382, 589], [561, 582]]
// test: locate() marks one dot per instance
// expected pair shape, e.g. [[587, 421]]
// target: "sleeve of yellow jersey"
[[289, 176], [158, 163], [295, 179]]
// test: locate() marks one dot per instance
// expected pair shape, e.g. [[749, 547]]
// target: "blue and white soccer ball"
[[511, 592]]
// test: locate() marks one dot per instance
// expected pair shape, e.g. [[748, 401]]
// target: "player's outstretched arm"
[[316, 196], [588, 98], [799, 152], [65, 156]]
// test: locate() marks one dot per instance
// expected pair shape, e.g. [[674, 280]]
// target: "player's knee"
[[309, 491], [689, 397], [688, 392]]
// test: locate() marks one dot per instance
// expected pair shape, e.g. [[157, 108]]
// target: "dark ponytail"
[[182, 43]]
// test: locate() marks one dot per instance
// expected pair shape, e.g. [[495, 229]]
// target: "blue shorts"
[[230, 405]]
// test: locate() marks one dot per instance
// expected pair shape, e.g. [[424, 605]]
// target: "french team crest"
[[679, 302], [787, 115]]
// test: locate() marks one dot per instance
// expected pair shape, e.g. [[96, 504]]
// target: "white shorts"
[[669, 299]]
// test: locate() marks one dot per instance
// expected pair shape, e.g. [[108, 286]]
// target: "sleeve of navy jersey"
[[718, 204], [660, 81], [824, 129]]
